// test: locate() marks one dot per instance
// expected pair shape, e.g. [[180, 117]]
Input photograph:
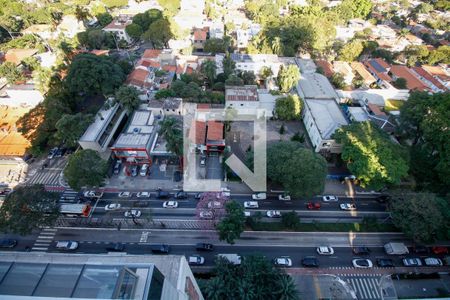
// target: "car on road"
[[160, 249], [60, 152], [214, 204], [412, 262], [170, 204], [204, 247], [202, 161], [329, 198], [362, 263], [273, 214], [92, 194], [162, 194], [117, 167], [143, 195], [181, 195], [439, 250], [284, 197], [259, 196], [310, 262], [132, 213], [224, 192], [433, 262], [124, 194], [116, 247], [8, 243], [52, 153], [112, 206], [420, 249], [198, 196], [144, 170], [385, 263], [347, 206], [134, 171], [196, 260], [283, 261], [325, 250], [206, 215], [251, 204], [140, 204], [362, 250], [66, 245], [313, 205]]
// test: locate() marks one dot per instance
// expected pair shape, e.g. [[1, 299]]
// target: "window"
[[242, 104]]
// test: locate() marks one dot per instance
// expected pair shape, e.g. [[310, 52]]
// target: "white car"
[[132, 213], [247, 214], [144, 170], [214, 204], [273, 214], [224, 192], [284, 197], [433, 262], [196, 260], [112, 206], [124, 194], [251, 204], [206, 214], [259, 196], [347, 206], [412, 262], [143, 195], [362, 263], [325, 250], [283, 261], [170, 204], [329, 198]]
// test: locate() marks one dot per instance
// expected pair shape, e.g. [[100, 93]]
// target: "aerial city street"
[[225, 149]]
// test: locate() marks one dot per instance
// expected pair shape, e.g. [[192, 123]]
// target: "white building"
[[344, 68], [20, 95], [254, 62], [117, 27], [250, 98]]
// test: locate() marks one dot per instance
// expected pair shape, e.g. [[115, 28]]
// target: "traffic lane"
[[24, 242]]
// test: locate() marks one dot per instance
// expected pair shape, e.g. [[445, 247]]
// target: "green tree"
[[166, 93], [351, 51], [408, 207], [28, 208], [337, 79], [215, 45], [171, 7], [104, 19], [128, 97], [71, 127], [350, 9], [228, 66], [234, 80], [265, 73], [248, 77], [371, 155], [11, 72], [287, 290], [115, 3], [290, 220], [134, 31], [172, 131], [232, 225], [400, 83], [300, 171], [288, 77], [424, 8], [81, 13], [159, 33], [85, 168], [288, 108], [209, 68]]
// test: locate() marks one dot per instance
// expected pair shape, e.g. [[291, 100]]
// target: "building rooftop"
[[327, 115], [358, 114], [139, 133], [172, 103], [17, 55], [306, 65], [241, 93], [118, 24], [132, 140], [215, 131], [200, 132], [200, 34], [12, 142], [422, 72], [138, 77], [362, 71], [412, 82], [326, 67], [102, 119], [151, 53], [316, 86], [141, 122]]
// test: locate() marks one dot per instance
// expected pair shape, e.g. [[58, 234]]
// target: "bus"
[[76, 210]]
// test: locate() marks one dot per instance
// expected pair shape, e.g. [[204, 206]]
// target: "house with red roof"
[[434, 84], [379, 69], [326, 67], [117, 27], [412, 82], [199, 38], [208, 136]]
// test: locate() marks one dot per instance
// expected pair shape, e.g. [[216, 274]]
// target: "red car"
[[439, 250], [313, 205]]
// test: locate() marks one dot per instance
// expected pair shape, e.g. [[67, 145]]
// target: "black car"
[[162, 194], [161, 249], [420, 249], [385, 263], [177, 176], [310, 262], [181, 195], [117, 247], [140, 203], [8, 243], [361, 250], [204, 247]]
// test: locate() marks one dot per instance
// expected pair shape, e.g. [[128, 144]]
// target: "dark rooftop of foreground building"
[[95, 276]]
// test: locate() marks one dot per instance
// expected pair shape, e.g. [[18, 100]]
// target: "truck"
[[232, 258], [395, 248]]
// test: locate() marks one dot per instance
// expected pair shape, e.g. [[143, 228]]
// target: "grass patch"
[[392, 105], [325, 227]]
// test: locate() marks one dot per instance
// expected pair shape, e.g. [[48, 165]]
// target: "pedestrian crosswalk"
[[44, 239], [68, 196], [366, 288], [47, 177]]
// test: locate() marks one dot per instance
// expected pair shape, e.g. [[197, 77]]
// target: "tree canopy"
[[27, 208], [11, 72], [299, 170], [216, 45], [371, 155], [71, 127], [128, 97], [288, 77], [288, 108], [85, 168], [172, 131], [351, 51], [232, 225], [159, 33]]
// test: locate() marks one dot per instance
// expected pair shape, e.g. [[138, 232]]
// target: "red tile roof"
[[429, 77], [203, 106], [326, 67], [200, 132], [437, 71], [17, 55], [169, 68], [362, 71], [137, 77], [215, 131], [375, 109], [100, 52], [382, 63], [180, 69], [150, 63], [151, 53], [189, 70], [200, 34], [382, 75], [412, 81]]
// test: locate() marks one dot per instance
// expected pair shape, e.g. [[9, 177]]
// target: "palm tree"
[[213, 289], [286, 288], [81, 13], [209, 70], [173, 133]]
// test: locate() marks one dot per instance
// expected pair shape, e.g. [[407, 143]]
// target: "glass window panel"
[[127, 286], [22, 279], [58, 281], [156, 285], [97, 282]]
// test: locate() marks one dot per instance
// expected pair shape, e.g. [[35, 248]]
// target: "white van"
[[66, 245]]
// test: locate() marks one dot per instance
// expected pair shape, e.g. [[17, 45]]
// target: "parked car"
[[385, 263], [347, 206], [160, 249], [93, 194], [361, 250], [181, 195], [439, 250], [310, 261], [162, 194], [362, 263], [313, 205], [224, 192], [206, 214], [52, 153], [117, 167], [202, 161], [144, 170], [325, 250], [412, 262], [329, 198], [259, 196], [273, 214], [143, 195], [420, 249], [66, 245], [204, 247], [196, 260], [134, 171], [124, 194], [170, 204], [433, 262], [132, 213], [8, 243], [214, 204], [112, 206], [140, 204], [59, 152], [251, 204], [283, 261], [284, 197], [116, 247]]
